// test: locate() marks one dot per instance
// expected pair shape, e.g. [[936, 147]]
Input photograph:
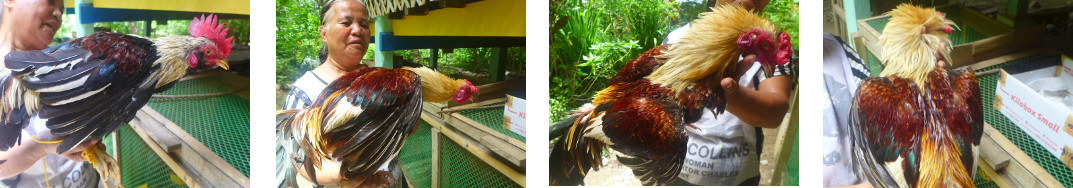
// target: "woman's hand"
[[379, 179], [328, 174], [74, 154], [20, 157]]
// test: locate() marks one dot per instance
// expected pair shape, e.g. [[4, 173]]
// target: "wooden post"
[[435, 157], [856, 10], [435, 57], [383, 58], [148, 28], [82, 29], [497, 70]]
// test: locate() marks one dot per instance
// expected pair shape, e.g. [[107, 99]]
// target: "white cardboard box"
[[514, 115], [1048, 123]]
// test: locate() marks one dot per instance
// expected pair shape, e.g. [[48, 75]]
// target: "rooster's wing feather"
[[368, 114], [641, 66], [892, 119], [86, 87], [650, 132]]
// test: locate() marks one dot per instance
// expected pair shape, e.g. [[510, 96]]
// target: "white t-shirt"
[[842, 72], [61, 172], [723, 150]]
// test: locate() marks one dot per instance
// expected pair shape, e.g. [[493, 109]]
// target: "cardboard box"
[[514, 115], [1049, 123]]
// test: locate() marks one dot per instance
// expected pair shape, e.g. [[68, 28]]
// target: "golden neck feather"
[[173, 61], [708, 47], [907, 51], [435, 86]]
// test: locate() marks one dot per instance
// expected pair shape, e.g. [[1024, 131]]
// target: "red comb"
[[207, 27]]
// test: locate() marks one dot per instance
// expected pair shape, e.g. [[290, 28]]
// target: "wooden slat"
[[870, 38], [458, 120], [175, 167], [784, 142], [1011, 57], [474, 148], [990, 172], [489, 138], [209, 169], [1021, 170], [435, 153]]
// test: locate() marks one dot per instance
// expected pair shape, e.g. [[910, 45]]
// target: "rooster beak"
[[223, 64]]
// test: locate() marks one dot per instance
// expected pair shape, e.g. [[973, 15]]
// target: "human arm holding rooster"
[[20, 157], [767, 104], [762, 107]]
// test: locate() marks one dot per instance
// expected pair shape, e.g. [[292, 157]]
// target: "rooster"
[[917, 125], [645, 109], [85, 88], [361, 120]]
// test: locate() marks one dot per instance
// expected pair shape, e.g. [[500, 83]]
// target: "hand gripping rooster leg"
[[106, 166]]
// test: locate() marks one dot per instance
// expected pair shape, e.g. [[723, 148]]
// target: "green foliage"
[[593, 39], [297, 39], [597, 38], [238, 28], [298, 44], [784, 14], [689, 11]]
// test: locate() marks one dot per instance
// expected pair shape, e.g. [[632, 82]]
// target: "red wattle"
[[948, 30], [786, 51]]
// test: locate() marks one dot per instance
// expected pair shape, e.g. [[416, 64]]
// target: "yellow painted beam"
[[504, 18], [213, 6]]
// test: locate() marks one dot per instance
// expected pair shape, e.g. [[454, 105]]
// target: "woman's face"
[[346, 33], [36, 21]]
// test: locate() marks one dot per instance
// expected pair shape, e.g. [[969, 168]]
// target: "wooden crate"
[[191, 160], [1001, 39], [1008, 165], [504, 153]]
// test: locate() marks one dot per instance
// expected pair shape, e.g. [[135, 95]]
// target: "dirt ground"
[[615, 174]]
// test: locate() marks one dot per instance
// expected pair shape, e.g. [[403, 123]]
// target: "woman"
[[30, 25], [754, 101], [345, 32]]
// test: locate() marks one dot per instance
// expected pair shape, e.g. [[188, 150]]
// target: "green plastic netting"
[[415, 157], [983, 181], [459, 168], [140, 165], [1019, 138], [221, 123], [492, 118]]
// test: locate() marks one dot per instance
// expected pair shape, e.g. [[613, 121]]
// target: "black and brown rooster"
[[917, 125], [360, 120], [644, 111], [85, 88]]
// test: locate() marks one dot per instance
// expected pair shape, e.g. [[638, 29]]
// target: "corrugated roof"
[[379, 8]]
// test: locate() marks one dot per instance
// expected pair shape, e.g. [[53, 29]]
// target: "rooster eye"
[[208, 51]]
